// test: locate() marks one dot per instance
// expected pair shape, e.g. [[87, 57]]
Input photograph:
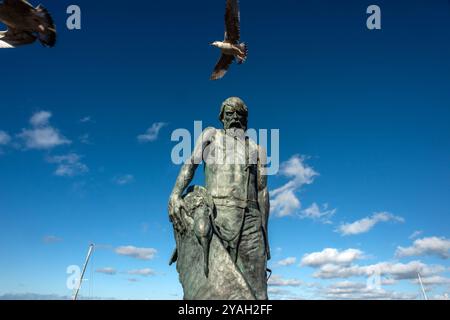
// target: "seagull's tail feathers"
[[47, 28], [241, 58]]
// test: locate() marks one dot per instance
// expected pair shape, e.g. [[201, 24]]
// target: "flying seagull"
[[230, 47], [25, 24]]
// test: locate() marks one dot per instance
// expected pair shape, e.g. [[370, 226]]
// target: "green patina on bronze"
[[221, 228]]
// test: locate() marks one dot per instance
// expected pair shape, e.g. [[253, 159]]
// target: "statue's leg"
[[252, 260], [228, 224]]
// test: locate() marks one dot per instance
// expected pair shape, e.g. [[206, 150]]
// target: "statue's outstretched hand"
[[176, 204]]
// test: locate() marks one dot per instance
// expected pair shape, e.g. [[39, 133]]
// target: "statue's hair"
[[236, 103]]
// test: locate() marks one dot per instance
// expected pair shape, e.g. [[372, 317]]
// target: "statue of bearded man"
[[228, 236]]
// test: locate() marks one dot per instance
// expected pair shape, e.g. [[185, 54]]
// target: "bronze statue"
[[221, 229]]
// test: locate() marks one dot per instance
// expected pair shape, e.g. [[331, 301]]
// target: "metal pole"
[[421, 285], [91, 247]]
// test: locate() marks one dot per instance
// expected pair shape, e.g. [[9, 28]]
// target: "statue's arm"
[[185, 177], [263, 194]]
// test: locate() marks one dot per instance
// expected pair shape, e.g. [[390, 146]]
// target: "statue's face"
[[233, 118]]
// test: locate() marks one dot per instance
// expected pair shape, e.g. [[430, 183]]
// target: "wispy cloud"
[[366, 224], [123, 179], [286, 262], [314, 212], [85, 139], [360, 291], [152, 133], [51, 239], [32, 296], [279, 281], [278, 292], [38, 296], [415, 234], [68, 165], [5, 138], [86, 119], [142, 272], [284, 200], [40, 118], [108, 271], [427, 246], [42, 135], [138, 253]]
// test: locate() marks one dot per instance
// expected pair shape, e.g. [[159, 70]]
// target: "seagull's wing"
[[232, 21], [30, 23], [12, 38], [46, 29], [5, 45], [19, 4], [222, 66]]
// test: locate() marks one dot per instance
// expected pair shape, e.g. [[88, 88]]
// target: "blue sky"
[[364, 131]]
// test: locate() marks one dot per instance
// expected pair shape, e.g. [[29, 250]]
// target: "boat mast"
[[421, 285], [91, 248]]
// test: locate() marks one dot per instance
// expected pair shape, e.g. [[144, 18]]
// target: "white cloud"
[[40, 118], [360, 291], [138, 253], [123, 179], [68, 165], [415, 234], [396, 271], [444, 296], [331, 256], [42, 138], [152, 133], [433, 281], [426, 246], [284, 201], [85, 139], [51, 239], [5, 138], [86, 119], [108, 270], [42, 135], [142, 272], [278, 281], [32, 296], [278, 291], [366, 224], [315, 213], [286, 262]]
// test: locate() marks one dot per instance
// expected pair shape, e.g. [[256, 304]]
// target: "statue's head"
[[234, 113]]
